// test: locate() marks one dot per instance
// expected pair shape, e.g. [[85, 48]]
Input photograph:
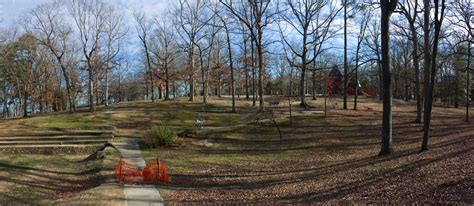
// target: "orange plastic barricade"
[[150, 174]]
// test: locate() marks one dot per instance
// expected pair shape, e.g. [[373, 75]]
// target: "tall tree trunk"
[[96, 86], [107, 85], [416, 61], [261, 69], [15, 106], [431, 73], [313, 91], [407, 97], [356, 94], [254, 92], [69, 96], [150, 69], [160, 92], [231, 65], [247, 94], [70, 91], [32, 107], [345, 55], [174, 90], [203, 78], [152, 86], [387, 7], [246, 69], [219, 85], [191, 84], [456, 89], [239, 88], [147, 93], [5, 99], [303, 71], [356, 76], [306, 90], [379, 66], [25, 103], [302, 82], [167, 82], [427, 93], [468, 81], [91, 90]]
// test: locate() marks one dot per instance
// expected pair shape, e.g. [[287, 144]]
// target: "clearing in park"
[[238, 157], [236, 102]]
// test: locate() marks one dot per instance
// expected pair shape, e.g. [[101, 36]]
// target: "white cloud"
[[11, 10]]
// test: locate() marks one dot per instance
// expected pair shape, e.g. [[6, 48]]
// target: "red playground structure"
[[154, 173], [335, 85]]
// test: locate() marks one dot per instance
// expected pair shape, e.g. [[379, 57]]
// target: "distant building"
[[335, 82]]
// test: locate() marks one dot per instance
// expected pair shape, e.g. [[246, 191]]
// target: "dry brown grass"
[[58, 179], [237, 159], [329, 159]]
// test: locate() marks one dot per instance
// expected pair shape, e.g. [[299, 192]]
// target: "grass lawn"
[[58, 179], [238, 157], [331, 159], [56, 121]]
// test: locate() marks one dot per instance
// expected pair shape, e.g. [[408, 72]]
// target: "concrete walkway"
[[138, 194]]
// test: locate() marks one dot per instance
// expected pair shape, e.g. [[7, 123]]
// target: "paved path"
[[138, 194]]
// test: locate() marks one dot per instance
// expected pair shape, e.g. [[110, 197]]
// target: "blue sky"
[[11, 10]]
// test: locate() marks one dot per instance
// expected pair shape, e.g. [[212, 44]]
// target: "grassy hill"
[[239, 158]]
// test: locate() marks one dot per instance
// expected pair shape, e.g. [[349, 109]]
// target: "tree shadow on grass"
[[341, 190], [28, 185], [404, 161]]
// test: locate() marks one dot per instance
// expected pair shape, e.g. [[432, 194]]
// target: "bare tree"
[[114, 33], [346, 75], [46, 22], [300, 16], [245, 59], [166, 50], [6, 37], [143, 30], [373, 43], [364, 22], [256, 16], [89, 17], [410, 11], [190, 25], [225, 21], [430, 61], [322, 34], [461, 16], [25, 60], [207, 47], [468, 83]]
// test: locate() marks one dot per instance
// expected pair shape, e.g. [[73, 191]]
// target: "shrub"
[[161, 136]]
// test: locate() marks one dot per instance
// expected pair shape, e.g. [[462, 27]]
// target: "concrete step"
[[58, 137], [53, 133], [49, 149], [53, 142]]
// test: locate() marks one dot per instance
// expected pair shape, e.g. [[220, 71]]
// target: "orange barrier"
[[369, 94], [150, 174]]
